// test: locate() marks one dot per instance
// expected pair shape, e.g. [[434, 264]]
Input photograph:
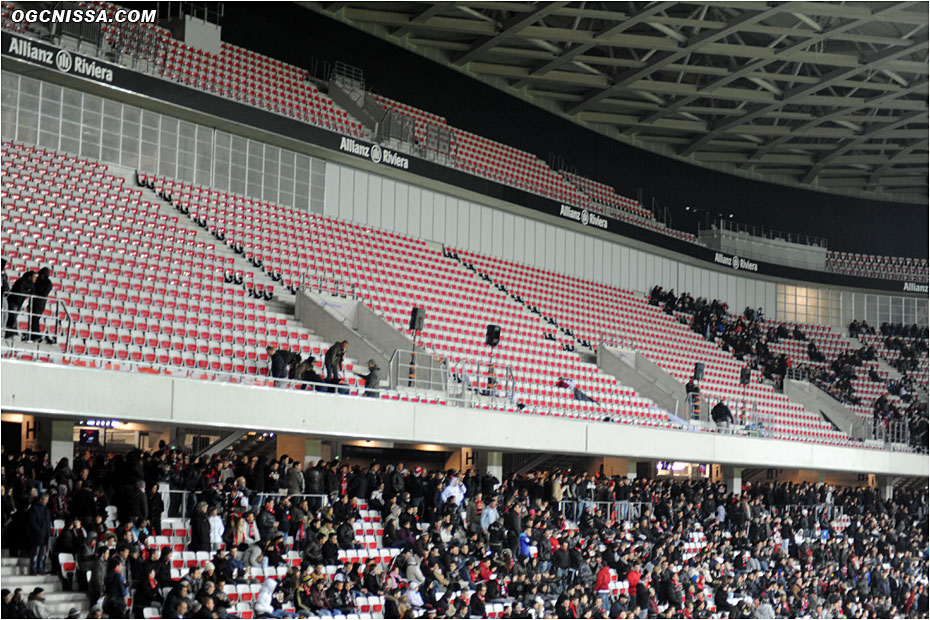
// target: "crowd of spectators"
[[745, 336], [748, 338], [909, 341], [468, 540]]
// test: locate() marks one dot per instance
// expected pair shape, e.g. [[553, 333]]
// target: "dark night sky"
[[300, 36]]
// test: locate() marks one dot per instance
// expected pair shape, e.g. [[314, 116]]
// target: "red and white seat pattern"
[[873, 266], [596, 312], [140, 289], [392, 273]]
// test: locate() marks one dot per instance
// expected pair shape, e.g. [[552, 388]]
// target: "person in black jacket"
[[39, 528], [476, 608], [41, 289], [135, 505], [156, 506], [6, 292], [721, 415], [200, 529], [279, 361], [18, 294]]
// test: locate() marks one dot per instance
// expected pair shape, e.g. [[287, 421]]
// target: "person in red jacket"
[[633, 577], [602, 586]]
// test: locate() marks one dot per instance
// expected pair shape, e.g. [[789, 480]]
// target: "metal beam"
[[693, 44], [872, 102], [890, 161], [852, 143], [815, 37], [605, 35], [803, 90], [422, 16], [509, 29]]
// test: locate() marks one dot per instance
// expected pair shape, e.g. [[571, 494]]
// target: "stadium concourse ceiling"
[[827, 95]]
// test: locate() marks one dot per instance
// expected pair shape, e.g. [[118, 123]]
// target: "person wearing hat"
[[36, 605], [97, 612], [372, 379]]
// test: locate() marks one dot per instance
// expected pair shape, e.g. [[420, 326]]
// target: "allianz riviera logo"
[[63, 61], [376, 153]]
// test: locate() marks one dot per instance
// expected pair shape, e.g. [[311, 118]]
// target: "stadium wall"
[[69, 119], [138, 397]]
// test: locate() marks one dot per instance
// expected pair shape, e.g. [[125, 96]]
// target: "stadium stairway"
[[14, 573], [258, 277]]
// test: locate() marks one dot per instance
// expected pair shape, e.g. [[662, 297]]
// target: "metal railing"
[[56, 309], [197, 372], [825, 512], [180, 503], [767, 233], [330, 286], [614, 510], [417, 370], [895, 435], [748, 418], [474, 382]]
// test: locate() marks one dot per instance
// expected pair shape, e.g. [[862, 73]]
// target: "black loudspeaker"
[[745, 375], [493, 337], [417, 316], [699, 371]]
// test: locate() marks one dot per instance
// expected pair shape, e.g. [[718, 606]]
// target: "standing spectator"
[[6, 292], [333, 361], [200, 529], [41, 289], [217, 529], [116, 596], [372, 379], [39, 527], [15, 300], [721, 415], [278, 362], [295, 479], [156, 507]]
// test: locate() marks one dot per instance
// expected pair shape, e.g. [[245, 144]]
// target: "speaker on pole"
[[745, 375], [699, 371], [417, 317], [493, 336]]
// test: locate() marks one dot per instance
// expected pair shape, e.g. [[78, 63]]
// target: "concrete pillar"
[[61, 444], [734, 479], [490, 462], [640, 469], [331, 448], [313, 450], [885, 486]]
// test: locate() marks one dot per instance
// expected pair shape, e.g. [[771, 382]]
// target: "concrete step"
[[10, 561], [61, 609], [282, 302], [48, 582]]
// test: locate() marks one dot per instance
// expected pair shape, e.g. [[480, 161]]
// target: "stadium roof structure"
[[831, 96]]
